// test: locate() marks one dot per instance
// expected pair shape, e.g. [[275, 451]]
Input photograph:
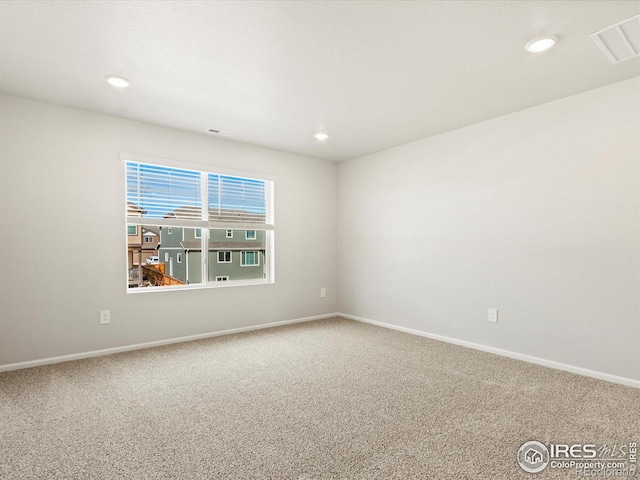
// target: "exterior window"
[[173, 205], [224, 257], [249, 259]]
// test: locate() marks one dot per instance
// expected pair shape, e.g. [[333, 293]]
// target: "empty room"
[[308, 240]]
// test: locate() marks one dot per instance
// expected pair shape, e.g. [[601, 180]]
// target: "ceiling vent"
[[220, 132], [621, 41]]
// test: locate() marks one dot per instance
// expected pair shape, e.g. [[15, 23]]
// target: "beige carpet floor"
[[330, 399]]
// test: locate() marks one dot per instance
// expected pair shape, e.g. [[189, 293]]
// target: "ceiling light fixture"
[[117, 81], [321, 136], [541, 44]]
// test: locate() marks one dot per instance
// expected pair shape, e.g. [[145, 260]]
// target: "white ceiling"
[[372, 74]]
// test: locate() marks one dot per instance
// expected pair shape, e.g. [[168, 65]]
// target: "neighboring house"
[[150, 242], [142, 243], [134, 245], [236, 255], [232, 255], [134, 234], [171, 253]]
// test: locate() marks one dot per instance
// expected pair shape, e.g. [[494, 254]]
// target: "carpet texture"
[[329, 399]]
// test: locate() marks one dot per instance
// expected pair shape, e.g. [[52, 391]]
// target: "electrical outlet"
[[323, 292], [105, 317], [493, 315]]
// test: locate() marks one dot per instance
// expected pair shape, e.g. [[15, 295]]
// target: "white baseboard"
[[505, 353], [157, 343], [498, 351]]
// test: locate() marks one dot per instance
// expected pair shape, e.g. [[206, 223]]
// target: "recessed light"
[[117, 81], [321, 136], [541, 44]]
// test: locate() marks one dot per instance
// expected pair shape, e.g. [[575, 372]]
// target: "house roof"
[[189, 212], [185, 212], [132, 209]]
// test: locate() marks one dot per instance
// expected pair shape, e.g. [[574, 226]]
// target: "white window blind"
[[239, 200], [161, 192], [170, 194]]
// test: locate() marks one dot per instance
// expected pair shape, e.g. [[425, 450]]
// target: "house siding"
[[194, 260], [173, 243]]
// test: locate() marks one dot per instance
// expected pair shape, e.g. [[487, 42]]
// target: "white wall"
[[62, 250], [535, 213]]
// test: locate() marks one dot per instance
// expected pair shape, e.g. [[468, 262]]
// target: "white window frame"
[[132, 234], [247, 237], [179, 257], [230, 256], [256, 256], [217, 223], [229, 233], [195, 233]]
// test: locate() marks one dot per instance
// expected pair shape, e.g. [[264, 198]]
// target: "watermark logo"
[[582, 459], [533, 457]]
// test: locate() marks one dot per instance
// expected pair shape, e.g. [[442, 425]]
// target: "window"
[[224, 257], [195, 213], [249, 259]]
